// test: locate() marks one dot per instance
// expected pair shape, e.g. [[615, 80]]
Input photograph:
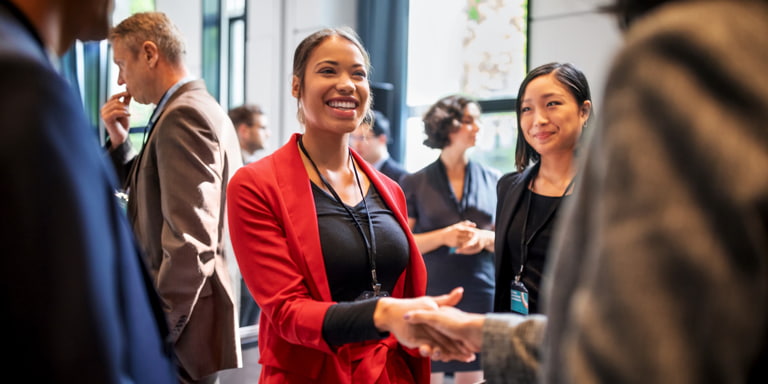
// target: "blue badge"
[[519, 298]]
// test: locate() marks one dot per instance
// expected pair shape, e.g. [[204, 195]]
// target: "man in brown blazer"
[[176, 190]]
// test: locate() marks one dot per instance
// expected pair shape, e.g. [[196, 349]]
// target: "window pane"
[[495, 143], [235, 8], [237, 63], [212, 46], [481, 51]]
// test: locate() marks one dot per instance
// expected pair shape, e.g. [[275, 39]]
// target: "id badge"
[[377, 292], [371, 294], [519, 298]]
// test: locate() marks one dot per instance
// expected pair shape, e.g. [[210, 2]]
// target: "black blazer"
[[78, 304], [509, 192]]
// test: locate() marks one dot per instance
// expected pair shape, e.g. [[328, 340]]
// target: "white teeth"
[[342, 104]]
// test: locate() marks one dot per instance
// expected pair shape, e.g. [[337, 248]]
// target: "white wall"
[[560, 30], [573, 31], [188, 16], [301, 18]]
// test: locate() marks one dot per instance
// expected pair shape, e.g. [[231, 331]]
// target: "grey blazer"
[[177, 190]]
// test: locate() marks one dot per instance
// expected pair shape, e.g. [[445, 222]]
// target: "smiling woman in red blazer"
[[322, 238]]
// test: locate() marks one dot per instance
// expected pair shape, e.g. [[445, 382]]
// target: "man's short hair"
[[151, 26], [244, 114]]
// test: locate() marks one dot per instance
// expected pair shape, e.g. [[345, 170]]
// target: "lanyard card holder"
[[377, 292], [519, 297]]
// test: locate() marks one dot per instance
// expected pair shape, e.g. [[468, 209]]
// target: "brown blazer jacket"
[[177, 190]]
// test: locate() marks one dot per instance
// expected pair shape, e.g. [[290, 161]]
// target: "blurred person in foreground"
[[78, 303], [659, 270], [176, 189]]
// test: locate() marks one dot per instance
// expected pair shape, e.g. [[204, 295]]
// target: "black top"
[[347, 265], [541, 206]]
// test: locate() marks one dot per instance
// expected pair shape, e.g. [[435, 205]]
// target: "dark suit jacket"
[[277, 242], [509, 192], [78, 305], [392, 169], [177, 188]]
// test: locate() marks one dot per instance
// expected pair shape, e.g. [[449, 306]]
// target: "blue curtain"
[[383, 27]]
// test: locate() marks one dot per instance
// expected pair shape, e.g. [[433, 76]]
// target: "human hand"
[[481, 239], [115, 115], [456, 235], [464, 328], [390, 316]]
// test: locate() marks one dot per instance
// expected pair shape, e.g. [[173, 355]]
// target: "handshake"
[[432, 325]]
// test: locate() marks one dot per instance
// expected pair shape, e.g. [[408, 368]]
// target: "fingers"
[[121, 95], [470, 247], [453, 323], [452, 298], [443, 348], [116, 116]]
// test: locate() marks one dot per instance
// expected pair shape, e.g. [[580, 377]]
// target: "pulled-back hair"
[[307, 46]]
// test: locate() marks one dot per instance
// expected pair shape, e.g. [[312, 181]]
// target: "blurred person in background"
[[252, 127], [451, 210], [176, 188], [370, 141]]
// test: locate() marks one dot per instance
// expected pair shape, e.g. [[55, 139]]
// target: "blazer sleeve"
[[511, 347], [122, 159]]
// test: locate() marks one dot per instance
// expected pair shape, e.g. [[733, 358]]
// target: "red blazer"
[[274, 231]]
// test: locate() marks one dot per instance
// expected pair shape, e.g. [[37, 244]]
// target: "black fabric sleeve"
[[351, 322]]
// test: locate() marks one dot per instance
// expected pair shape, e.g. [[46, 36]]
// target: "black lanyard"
[[525, 244], [370, 246]]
